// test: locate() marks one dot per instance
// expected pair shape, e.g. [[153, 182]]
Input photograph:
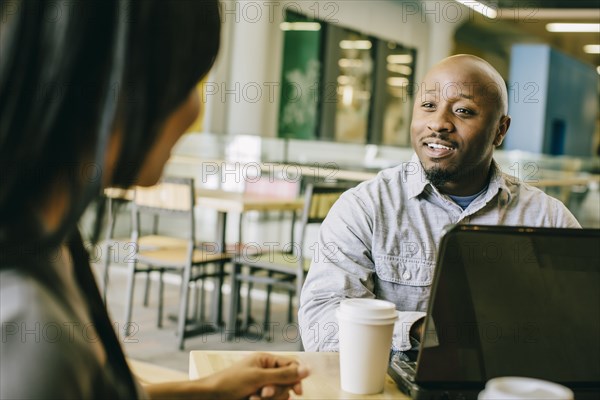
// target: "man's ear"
[[502, 129]]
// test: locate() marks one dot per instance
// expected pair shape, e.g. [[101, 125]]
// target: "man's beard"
[[439, 177]]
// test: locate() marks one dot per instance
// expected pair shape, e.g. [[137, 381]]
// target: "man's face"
[[456, 123]]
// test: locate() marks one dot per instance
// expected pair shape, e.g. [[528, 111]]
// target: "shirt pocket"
[[404, 271]]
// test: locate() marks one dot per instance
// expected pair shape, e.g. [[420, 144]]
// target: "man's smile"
[[435, 148]]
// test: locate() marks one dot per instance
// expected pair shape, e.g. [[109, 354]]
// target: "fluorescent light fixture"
[[300, 26], [347, 94], [350, 63], [344, 80], [399, 59], [356, 44], [592, 48], [572, 27], [399, 69], [396, 81], [479, 7]]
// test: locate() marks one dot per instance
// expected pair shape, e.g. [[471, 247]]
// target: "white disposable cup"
[[365, 336], [519, 388]]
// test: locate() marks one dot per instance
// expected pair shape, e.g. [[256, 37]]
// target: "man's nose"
[[440, 122]]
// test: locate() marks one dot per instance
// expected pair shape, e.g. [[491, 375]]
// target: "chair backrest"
[[119, 193], [172, 196], [169, 195], [318, 200]]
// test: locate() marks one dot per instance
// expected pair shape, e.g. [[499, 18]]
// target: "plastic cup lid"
[[518, 388], [368, 309]]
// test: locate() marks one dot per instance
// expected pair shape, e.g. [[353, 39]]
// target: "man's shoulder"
[[523, 189], [386, 178], [527, 198]]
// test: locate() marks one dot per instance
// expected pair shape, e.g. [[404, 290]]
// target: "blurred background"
[[316, 82], [344, 71], [323, 91]]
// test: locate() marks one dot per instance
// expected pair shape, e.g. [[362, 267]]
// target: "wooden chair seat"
[[155, 242], [178, 257], [274, 261]]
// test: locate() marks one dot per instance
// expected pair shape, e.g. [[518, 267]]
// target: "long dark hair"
[[71, 71]]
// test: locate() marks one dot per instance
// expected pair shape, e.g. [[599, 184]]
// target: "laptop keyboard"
[[405, 369]]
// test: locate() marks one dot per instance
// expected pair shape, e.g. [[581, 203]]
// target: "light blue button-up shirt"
[[380, 240]]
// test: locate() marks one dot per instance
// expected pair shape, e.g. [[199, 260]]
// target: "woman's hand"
[[259, 376]]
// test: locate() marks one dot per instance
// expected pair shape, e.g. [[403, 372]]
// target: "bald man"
[[380, 239]]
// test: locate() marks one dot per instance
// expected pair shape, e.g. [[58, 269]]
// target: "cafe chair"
[[115, 250], [283, 269], [173, 199], [115, 198], [273, 187]]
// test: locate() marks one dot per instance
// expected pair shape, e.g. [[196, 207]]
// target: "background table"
[[232, 202], [323, 382]]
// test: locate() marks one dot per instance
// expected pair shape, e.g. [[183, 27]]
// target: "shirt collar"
[[414, 175], [498, 185]]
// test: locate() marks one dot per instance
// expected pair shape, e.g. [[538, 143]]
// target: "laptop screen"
[[514, 301]]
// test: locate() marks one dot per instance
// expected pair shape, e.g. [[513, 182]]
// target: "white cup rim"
[[365, 320], [368, 308]]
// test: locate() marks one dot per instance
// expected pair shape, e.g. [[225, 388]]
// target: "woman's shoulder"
[[22, 297], [43, 351]]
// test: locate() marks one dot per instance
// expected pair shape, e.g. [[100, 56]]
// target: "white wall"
[[243, 96]]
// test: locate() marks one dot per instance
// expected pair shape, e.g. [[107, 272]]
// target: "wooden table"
[[147, 373], [226, 202], [323, 382], [233, 202]]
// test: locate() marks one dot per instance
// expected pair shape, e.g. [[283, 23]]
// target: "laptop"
[[509, 301]]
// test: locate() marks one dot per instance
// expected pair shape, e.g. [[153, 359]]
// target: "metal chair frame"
[[289, 275], [190, 260]]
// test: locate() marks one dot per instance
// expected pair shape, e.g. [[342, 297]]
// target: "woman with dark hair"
[[92, 94]]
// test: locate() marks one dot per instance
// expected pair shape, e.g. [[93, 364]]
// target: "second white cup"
[[365, 336], [522, 388]]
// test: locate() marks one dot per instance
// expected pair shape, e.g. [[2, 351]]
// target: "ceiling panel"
[[544, 3]]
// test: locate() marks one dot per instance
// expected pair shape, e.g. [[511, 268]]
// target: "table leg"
[[234, 305], [217, 311]]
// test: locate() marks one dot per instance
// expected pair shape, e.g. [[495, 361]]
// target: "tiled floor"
[[159, 346]]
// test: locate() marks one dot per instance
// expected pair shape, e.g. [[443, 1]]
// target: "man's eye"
[[427, 105], [464, 111]]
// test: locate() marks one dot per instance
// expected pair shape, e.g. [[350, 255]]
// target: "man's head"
[[459, 116]]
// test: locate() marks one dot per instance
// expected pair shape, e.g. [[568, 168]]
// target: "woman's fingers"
[[290, 374]]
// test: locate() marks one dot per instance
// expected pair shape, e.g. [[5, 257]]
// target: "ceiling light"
[[300, 26], [344, 80], [592, 48], [356, 44], [399, 59], [350, 63], [347, 94], [573, 27], [479, 7], [399, 69], [396, 81]]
